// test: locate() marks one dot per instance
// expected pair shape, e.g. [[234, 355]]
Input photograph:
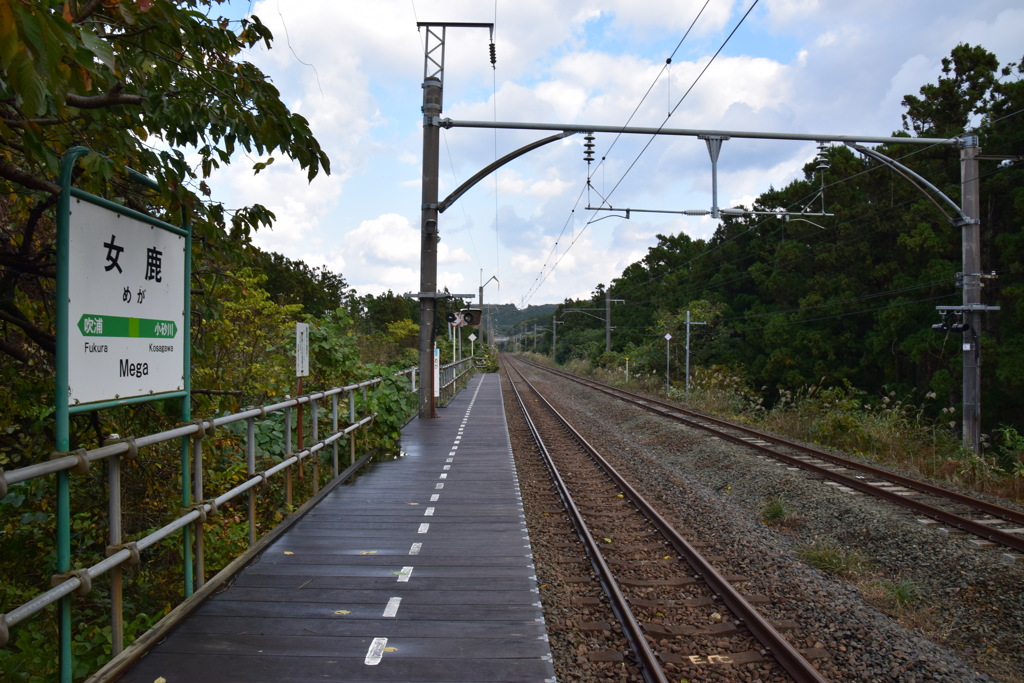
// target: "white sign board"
[[437, 372], [472, 337], [126, 306], [668, 336], [301, 350]]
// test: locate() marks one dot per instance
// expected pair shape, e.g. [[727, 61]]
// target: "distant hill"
[[506, 316]]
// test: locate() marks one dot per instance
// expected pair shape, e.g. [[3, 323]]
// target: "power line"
[[662, 125]]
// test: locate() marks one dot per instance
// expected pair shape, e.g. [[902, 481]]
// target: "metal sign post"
[[301, 370], [688, 323], [668, 338], [123, 296]]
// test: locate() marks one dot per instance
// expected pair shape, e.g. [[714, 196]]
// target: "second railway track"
[[964, 613], [995, 524]]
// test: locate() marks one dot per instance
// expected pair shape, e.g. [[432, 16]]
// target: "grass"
[[826, 557], [900, 594], [880, 428], [777, 513], [904, 600]]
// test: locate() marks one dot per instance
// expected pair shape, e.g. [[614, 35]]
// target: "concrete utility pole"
[[968, 220], [608, 317], [483, 309], [688, 323], [433, 83], [554, 338], [970, 199], [428, 242]]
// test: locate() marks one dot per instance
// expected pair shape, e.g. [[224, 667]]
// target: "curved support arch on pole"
[[490, 168], [969, 222], [917, 181]]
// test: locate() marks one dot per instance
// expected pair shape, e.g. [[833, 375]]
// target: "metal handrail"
[[450, 374], [119, 552]]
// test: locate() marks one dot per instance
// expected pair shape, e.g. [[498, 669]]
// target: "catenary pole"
[[608, 319], [428, 242], [688, 323], [971, 245]]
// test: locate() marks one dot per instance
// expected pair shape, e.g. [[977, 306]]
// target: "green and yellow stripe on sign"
[[118, 326]]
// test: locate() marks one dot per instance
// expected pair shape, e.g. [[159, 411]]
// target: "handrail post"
[[287, 454], [197, 495], [351, 421], [188, 580], [315, 416], [116, 576], [334, 430], [250, 468]]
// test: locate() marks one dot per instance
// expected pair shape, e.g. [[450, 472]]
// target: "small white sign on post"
[[437, 372], [301, 350], [126, 306]]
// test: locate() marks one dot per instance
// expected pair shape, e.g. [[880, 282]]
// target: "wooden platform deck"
[[419, 571]]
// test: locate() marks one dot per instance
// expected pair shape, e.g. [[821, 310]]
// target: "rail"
[[197, 502], [784, 652], [774, 446]]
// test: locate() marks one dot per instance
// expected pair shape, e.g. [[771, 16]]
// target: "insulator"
[[588, 154], [823, 162], [494, 55]]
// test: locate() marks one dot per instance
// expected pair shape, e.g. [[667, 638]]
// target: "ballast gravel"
[[964, 617]]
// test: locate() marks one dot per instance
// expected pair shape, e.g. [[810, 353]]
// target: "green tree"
[[380, 310], [319, 290], [247, 348], [849, 299], [136, 82], [115, 77], [965, 89]]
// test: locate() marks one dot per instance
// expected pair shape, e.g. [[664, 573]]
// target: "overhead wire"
[[721, 47], [830, 303], [662, 125], [542, 276], [758, 224], [917, 150]]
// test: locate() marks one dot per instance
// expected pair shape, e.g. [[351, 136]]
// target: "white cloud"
[[809, 66]]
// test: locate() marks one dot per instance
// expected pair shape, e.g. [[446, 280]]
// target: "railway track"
[[667, 597], [992, 524]]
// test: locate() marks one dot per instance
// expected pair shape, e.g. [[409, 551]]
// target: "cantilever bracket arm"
[[490, 168], [917, 181]]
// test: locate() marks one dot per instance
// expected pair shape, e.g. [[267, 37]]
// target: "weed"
[[776, 512], [834, 560], [904, 600], [901, 594]]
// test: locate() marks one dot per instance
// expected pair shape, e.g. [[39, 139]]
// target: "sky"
[[355, 71]]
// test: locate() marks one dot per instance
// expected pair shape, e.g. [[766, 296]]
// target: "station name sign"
[[126, 306]]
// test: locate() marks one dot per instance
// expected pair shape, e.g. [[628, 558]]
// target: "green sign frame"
[[63, 410]]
